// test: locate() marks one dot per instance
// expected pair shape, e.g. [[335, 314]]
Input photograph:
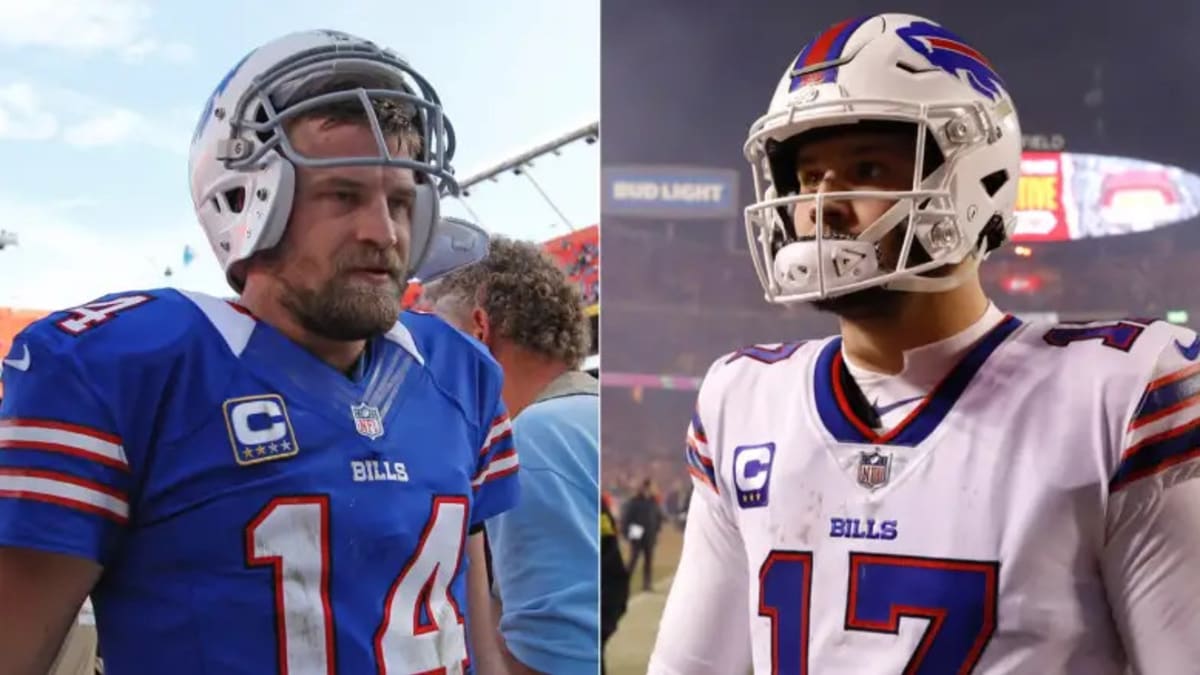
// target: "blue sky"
[[98, 99]]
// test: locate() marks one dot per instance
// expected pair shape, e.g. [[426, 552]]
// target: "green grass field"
[[629, 648]]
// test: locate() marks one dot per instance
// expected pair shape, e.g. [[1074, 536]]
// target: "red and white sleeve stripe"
[[69, 439], [58, 487], [498, 452]]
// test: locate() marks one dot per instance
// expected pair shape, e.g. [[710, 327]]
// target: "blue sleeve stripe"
[[1161, 452], [698, 428], [701, 467], [1167, 395]]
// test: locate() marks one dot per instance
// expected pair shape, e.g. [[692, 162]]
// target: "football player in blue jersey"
[[292, 482]]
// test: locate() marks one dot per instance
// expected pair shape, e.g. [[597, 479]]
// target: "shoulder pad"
[[757, 357], [461, 366], [134, 322], [434, 339], [766, 354], [1121, 344], [745, 369]]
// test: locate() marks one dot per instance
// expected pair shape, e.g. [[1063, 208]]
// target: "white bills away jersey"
[[1037, 512]]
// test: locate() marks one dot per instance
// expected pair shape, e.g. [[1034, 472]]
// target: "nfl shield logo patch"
[[874, 469], [367, 420]]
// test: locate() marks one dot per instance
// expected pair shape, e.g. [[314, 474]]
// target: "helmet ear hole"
[[236, 199], [994, 181], [993, 235], [232, 200]]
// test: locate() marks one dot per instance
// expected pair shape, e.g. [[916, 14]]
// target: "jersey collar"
[[845, 425]]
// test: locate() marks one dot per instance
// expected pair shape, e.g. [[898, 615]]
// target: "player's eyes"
[[810, 178], [869, 171], [399, 204]]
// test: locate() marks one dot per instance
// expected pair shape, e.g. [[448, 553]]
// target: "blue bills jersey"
[[254, 509]]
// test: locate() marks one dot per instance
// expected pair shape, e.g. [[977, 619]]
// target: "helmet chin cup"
[[803, 267]]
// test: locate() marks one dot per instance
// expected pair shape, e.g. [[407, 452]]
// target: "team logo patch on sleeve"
[[752, 474], [367, 420], [259, 429], [874, 469]]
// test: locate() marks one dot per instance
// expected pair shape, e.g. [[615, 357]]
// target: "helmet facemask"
[[361, 82], [322, 77], [915, 245]]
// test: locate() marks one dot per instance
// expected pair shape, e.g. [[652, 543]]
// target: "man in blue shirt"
[[292, 482], [545, 552]]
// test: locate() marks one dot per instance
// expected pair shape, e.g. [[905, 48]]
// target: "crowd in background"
[[578, 254], [665, 316]]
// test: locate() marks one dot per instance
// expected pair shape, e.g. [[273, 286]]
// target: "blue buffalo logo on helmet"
[[950, 53], [212, 99]]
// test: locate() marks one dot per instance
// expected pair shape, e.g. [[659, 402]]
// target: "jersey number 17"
[[957, 597]]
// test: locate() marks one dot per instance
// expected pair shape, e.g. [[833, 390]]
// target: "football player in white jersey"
[[943, 488]]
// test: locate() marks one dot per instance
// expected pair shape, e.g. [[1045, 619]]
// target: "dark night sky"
[[683, 79]]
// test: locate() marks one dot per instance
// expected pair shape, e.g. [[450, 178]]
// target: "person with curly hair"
[[545, 552]]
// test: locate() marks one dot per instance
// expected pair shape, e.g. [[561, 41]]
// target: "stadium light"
[[588, 133], [521, 163], [7, 239]]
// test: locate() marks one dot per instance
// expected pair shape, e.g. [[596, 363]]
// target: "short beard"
[[865, 305], [345, 311]]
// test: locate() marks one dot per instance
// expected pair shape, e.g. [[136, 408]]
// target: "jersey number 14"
[[422, 628]]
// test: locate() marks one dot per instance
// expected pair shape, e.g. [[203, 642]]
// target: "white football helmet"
[[242, 165], [886, 68]]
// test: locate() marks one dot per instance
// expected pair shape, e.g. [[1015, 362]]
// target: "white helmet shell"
[[888, 68], [242, 165]]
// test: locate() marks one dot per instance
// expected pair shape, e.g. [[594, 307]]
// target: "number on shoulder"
[[767, 354], [1120, 335], [86, 317]]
